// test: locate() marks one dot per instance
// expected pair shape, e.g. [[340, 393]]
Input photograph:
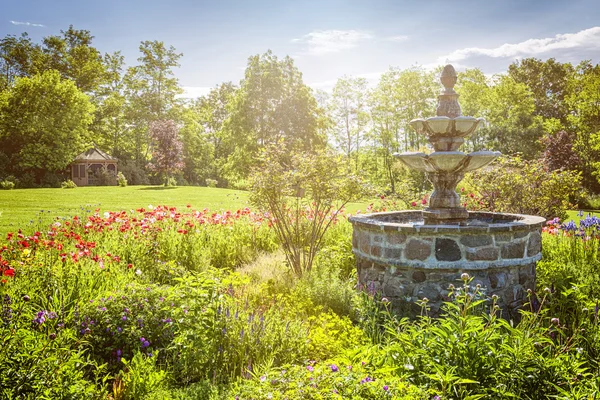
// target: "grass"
[[21, 208], [30, 209]]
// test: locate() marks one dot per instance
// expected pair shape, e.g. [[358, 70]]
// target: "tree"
[[150, 92], [584, 102], [18, 57], [43, 123], [348, 110], [166, 148], [273, 105], [513, 127], [548, 81], [74, 57]]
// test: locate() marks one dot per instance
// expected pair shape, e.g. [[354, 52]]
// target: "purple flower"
[[334, 368], [386, 388], [119, 352], [119, 329], [310, 368], [124, 318]]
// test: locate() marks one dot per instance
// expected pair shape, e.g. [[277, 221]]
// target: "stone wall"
[[408, 261]]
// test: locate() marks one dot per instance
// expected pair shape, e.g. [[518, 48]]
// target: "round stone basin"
[[406, 260]]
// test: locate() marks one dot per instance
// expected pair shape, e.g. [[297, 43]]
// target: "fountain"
[[410, 255]]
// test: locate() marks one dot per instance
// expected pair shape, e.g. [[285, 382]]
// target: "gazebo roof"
[[94, 154]]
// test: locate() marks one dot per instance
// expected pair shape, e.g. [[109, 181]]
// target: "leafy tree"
[[559, 152], [18, 56], [74, 57], [110, 126], [512, 126], [348, 109], [273, 105], [43, 123], [549, 83], [198, 152], [151, 91], [584, 101], [166, 148]]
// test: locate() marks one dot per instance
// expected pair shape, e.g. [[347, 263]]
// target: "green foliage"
[[211, 182], [526, 187], [121, 180], [7, 185], [142, 379], [305, 193], [43, 122], [337, 379], [68, 184]]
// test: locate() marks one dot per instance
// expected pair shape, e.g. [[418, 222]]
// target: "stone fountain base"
[[406, 260]]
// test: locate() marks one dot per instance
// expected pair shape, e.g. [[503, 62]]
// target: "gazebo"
[[85, 166]]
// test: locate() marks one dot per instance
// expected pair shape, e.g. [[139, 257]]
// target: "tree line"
[[62, 96]]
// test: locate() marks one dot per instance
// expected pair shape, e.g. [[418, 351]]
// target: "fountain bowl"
[[405, 259]]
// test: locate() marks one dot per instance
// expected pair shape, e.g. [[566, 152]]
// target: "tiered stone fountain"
[[409, 255]]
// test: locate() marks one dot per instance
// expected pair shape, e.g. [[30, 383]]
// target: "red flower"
[[413, 204], [9, 272], [424, 201]]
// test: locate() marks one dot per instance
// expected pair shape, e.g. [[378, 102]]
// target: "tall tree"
[[74, 57], [43, 123], [584, 102], [18, 57], [167, 149], [548, 81], [151, 90], [273, 105], [349, 112]]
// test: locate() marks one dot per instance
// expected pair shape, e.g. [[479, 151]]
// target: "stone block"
[[513, 250], [396, 239], [476, 240], [447, 250], [365, 242], [418, 276], [377, 238], [520, 234], [497, 280], [395, 287], [482, 254], [429, 290], [534, 246], [417, 250], [376, 251], [393, 253], [503, 237]]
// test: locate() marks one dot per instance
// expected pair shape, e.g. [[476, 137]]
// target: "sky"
[[328, 39]]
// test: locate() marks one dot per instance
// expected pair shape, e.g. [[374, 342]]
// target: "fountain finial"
[[448, 100]]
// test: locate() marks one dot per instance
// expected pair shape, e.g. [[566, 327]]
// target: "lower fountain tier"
[[406, 260]]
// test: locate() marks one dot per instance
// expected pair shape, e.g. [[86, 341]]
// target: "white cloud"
[[331, 41], [192, 92], [583, 41], [398, 38], [27, 24]]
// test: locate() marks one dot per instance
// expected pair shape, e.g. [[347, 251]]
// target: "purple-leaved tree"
[[167, 149]]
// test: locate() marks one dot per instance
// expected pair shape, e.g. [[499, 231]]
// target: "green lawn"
[[36, 208], [21, 208]]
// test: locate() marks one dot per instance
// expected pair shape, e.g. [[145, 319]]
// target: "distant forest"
[[63, 96]]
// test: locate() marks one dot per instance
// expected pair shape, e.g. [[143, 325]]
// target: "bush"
[[121, 180], [7, 185], [211, 182], [68, 184], [526, 187], [171, 181], [305, 194], [134, 174], [104, 177]]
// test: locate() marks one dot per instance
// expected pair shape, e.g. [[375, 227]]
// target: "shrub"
[[7, 185], [526, 187], [304, 193], [104, 177], [68, 184], [171, 181], [211, 182], [121, 180]]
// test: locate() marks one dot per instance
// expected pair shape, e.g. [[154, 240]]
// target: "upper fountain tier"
[[448, 130]]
